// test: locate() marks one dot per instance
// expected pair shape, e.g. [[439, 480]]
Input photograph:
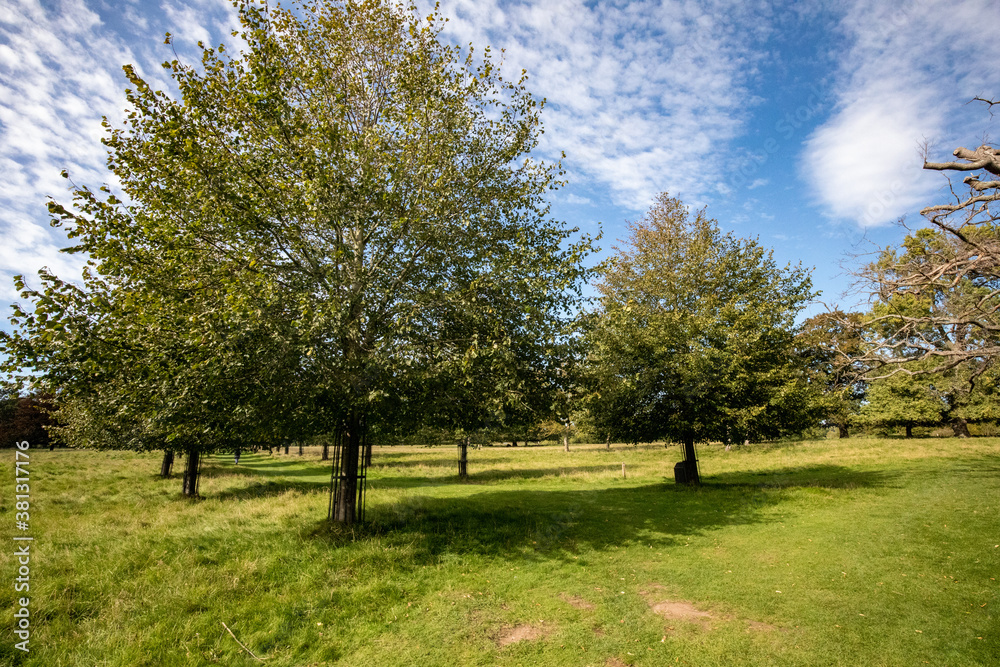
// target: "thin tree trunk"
[[909, 430], [300, 448], [191, 474], [168, 463], [607, 443], [463, 458], [565, 438], [326, 451], [842, 429], [286, 447], [691, 461]]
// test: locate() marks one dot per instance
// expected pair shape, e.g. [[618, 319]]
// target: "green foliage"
[[830, 344], [341, 223], [695, 335], [902, 400]]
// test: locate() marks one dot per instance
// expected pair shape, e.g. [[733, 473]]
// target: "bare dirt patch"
[[676, 610], [680, 610], [519, 633], [614, 662], [575, 601]]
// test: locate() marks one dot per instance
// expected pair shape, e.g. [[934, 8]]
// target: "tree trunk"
[[607, 443], [368, 452], [168, 463], [300, 448], [842, 428], [191, 473], [286, 447], [691, 461], [345, 503], [960, 428], [326, 452], [463, 458], [565, 437], [909, 430], [513, 443]]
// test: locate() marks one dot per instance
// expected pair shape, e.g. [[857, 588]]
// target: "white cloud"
[[639, 93], [60, 71], [576, 199], [904, 80]]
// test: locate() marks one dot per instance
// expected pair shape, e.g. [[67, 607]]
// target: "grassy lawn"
[[857, 552]]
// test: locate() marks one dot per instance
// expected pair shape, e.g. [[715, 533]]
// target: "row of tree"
[[340, 232]]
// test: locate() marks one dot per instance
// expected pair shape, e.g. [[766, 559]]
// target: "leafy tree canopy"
[[314, 231], [694, 338]]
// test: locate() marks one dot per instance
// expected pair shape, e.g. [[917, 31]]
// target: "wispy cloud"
[[898, 85], [60, 72], [639, 93]]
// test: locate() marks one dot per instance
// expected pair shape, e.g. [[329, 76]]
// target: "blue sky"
[[801, 123]]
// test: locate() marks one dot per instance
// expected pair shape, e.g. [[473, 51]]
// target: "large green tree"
[[694, 337], [344, 213]]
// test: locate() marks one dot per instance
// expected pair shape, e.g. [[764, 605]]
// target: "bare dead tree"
[[938, 296]]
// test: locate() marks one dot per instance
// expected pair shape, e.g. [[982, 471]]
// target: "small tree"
[[694, 338], [902, 400]]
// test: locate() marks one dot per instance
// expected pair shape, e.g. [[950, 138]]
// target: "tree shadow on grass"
[[407, 460], [560, 524], [484, 477], [271, 489], [256, 466], [816, 476]]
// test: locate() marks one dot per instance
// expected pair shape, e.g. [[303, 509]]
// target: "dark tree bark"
[[326, 451], [191, 473], [300, 448], [691, 461], [463, 458], [168, 463], [345, 503], [368, 453], [842, 428], [909, 430], [513, 443], [960, 427], [607, 443], [286, 446]]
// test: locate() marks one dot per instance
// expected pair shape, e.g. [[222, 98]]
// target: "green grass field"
[[858, 552]]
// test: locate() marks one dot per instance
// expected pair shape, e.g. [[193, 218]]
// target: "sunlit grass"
[[883, 552]]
